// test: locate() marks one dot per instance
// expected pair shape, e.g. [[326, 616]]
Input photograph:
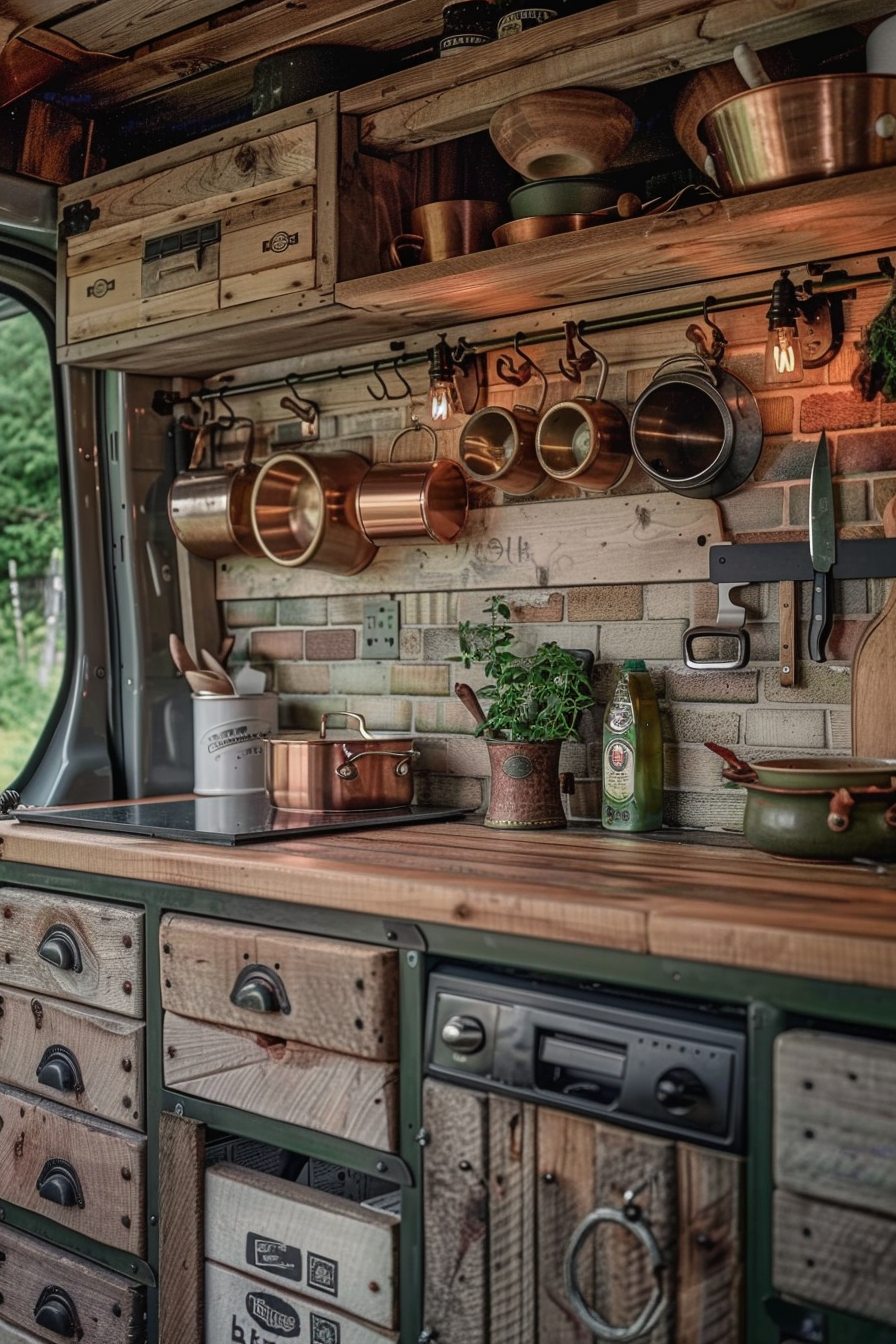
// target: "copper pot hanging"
[[304, 511], [402, 502], [585, 440], [209, 510]]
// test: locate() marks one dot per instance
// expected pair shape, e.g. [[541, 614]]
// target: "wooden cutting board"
[[874, 675]]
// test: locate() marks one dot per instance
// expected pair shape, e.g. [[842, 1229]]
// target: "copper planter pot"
[[801, 129], [314, 772], [304, 511], [526, 786], [406, 502]]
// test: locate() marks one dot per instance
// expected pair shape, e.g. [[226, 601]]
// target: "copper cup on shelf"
[[446, 229], [404, 502]]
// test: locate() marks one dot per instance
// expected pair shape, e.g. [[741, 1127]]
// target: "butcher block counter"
[[687, 895]]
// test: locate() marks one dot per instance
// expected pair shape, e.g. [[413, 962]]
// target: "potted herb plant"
[[535, 701]]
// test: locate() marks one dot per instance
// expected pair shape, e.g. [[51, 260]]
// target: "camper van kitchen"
[[447, 636]]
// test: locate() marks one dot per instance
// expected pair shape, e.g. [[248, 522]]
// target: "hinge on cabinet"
[[77, 218]]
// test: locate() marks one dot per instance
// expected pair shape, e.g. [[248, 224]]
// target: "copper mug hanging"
[[585, 440], [209, 510], [497, 446], [404, 502]]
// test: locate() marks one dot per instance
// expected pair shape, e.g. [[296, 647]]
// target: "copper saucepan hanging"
[[402, 502], [304, 511], [209, 510], [497, 445], [585, 440]]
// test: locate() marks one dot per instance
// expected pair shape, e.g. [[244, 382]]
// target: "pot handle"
[[739, 772], [413, 428], [345, 714], [840, 814], [412, 241], [603, 368], [402, 767], [703, 365]]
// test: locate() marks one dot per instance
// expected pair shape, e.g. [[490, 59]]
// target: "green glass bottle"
[[633, 753]]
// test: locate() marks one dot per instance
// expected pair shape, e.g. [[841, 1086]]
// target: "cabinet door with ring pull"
[[543, 1225]]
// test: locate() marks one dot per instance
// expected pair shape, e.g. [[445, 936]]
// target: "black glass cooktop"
[[225, 819]]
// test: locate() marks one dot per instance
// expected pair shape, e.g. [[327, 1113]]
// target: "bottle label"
[[621, 716], [619, 772], [520, 19]]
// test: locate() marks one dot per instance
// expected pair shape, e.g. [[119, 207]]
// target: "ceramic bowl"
[[562, 196]]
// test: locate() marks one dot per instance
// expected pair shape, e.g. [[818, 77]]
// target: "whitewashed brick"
[[410, 644], [739, 686], [421, 679], [817, 684], [383, 713], [691, 767], [667, 601], [347, 610], [700, 725], [449, 791], [431, 608], [641, 639], [306, 712], [840, 730], [441, 716], [723, 809], [360, 678], [467, 756], [785, 728]]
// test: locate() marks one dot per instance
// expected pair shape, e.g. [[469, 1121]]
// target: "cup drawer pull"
[[56, 1311], [58, 1182], [260, 990], [59, 1068], [59, 947]]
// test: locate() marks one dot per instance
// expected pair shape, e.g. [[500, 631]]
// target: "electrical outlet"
[[379, 637]]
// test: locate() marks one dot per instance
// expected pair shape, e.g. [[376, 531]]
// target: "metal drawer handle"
[[59, 947], [59, 1069], [58, 1182], [56, 1311], [632, 1217], [260, 990]]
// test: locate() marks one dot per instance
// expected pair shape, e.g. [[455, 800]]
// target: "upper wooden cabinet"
[[271, 237]]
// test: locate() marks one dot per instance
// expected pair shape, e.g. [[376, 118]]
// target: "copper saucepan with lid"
[[320, 772]]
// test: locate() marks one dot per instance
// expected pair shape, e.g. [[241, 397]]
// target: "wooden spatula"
[[874, 676]]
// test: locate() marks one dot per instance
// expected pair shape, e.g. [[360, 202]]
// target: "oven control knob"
[[679, 1091], [465, 1035]]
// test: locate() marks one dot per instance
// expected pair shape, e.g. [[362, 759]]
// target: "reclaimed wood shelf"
[[606, 47], [832, 218]]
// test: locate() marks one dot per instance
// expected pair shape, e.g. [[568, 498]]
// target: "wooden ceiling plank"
[[389, 23]]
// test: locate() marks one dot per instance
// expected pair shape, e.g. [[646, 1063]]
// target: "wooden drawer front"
[[84, 1058], [108, 1308], [267, 248], [187, 191], [103, 297], [835, 1257], [240, 1308], [103, 1172], [835, 1136], [92, 952], [337, 1094], [307, 1241], [185, 261], [339, 996]]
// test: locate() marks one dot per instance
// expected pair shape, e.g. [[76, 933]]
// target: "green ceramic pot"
[[562, 196], [826, 823]]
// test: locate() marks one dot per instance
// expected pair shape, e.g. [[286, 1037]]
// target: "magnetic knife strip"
[[732, 566]]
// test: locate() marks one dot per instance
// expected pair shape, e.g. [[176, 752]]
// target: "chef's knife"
[[822, 549]]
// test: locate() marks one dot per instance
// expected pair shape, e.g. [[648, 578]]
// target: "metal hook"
[[303, 408], [386, 395], [377, 396], [401, 378], [577, 362], [719, 339], [509, 373], [233, 418]]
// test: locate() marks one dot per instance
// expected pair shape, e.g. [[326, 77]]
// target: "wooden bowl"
[[562, 132], [709, 86]]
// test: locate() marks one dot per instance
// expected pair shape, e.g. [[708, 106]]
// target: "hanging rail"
[[831, 283]]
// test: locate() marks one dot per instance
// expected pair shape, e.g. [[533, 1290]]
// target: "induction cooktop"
[[225, 819]]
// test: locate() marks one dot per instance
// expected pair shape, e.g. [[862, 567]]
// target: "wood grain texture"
[[301, 1228], [239, 1306], [711, 1249], [512, 1272], [835, 1257], [455, 1213], [624, 1279], [342, 996], [109, 1307], [788, 643], [109, 1051], [181, 1229], [110, 1163], [874, 675], [565, 1194], [632, 537], [109, 938], [835, 1099], [354, 1098]]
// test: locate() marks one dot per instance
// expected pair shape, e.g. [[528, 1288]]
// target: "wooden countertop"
[[714, 902]]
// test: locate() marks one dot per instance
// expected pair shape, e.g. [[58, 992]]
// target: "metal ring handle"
[[740, 659], [412, 429], [589, 1318], [345, 714], [705, 365], [348, 771]]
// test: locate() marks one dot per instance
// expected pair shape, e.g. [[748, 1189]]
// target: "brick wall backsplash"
[[310, 646]]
